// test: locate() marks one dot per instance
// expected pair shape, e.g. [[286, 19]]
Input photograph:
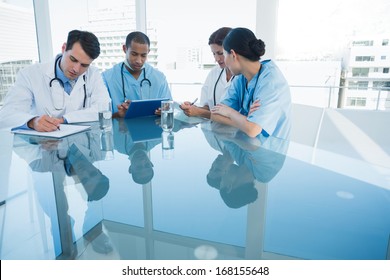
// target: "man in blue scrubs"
[[134, 79]]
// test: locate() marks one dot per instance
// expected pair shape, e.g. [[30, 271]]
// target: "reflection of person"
[[237, 187], [94, 182], [260, 82], [66, 90], [235, 171], [134, 79], [218, 168], [69, 157], [235, 182], [141, 167], [217, 81]]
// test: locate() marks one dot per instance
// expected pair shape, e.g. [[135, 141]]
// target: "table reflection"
[[116, 195], [69, 161]]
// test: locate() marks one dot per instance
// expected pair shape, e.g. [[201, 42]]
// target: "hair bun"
[[257, 46]]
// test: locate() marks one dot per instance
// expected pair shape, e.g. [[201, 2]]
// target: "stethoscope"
[[243, 92], [62, 85], [144, 80], [215, 85]]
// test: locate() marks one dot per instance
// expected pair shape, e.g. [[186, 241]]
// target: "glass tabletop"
[[200, 191]]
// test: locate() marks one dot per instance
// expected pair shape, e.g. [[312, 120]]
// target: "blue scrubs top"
[[274, 114], [133, 90]]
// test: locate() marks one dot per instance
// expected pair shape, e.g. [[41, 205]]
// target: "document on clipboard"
[[143, 108], [65, 130]]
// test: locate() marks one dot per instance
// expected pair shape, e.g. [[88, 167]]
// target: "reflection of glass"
[[168, 145], [105, 115], [167, 111], [107, 144]]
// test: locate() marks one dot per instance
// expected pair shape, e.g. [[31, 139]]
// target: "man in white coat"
[[65, 90]]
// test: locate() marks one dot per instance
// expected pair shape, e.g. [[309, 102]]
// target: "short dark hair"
[[88, 41], [244, 42], [137, 37], [217, 36]]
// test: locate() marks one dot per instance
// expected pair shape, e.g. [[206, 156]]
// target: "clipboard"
[[65, 130], [143, 108]]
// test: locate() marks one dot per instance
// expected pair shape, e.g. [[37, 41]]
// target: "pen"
[[196, 99], [48, 113]]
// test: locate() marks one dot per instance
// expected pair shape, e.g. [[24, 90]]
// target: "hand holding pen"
[[187, 107], [186, 104], [52, 120], [196, 99], [44, 123]]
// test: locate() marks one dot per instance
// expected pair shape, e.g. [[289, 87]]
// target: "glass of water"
[[105, 115], [167, 115], [168, 144]]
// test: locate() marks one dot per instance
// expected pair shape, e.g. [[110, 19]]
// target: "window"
[[385, 70], [360, 72], [383, 57], [385, 42], [182, 29], [356, 101], [183, 35], [364, 58], [359, 85], [16, 22], [381, 84], [325, 27], [110, 21], [362, 43]]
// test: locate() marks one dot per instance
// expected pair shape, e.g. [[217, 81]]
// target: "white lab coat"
[[207, 95], [31, 94]]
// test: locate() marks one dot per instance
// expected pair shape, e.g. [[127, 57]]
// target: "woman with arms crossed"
[[261, 82]]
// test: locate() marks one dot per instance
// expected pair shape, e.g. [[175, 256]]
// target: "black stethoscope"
[[215, 85], [62, 85], [144, 80], [243, 92]]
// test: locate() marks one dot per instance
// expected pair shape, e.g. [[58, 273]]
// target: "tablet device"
[[143, 108]]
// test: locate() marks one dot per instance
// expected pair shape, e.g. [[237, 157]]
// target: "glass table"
[[202, 191]]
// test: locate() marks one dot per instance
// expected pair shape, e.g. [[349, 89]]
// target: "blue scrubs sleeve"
[[232, 98], [273, 93]]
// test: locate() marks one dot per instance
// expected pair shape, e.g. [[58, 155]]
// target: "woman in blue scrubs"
[[259, 100]]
